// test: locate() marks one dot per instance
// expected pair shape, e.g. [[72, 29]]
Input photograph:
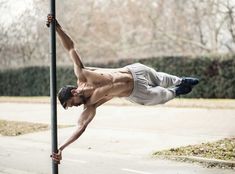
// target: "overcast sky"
[[11, 10]]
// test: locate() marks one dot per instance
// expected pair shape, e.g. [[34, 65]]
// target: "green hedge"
[[33, 81], [217, 76]]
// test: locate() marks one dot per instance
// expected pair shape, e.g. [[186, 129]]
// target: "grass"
[[16, 128], [220, 150]]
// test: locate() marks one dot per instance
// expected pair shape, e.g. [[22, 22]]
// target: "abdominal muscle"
[[115, 82]]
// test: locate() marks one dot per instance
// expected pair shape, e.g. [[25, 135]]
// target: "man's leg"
[[159, 95], [167, 80], [163, 79]]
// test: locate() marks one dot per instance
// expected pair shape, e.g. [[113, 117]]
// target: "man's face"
[[74, 101]]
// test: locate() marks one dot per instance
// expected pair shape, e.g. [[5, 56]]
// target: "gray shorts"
[[151, 87]]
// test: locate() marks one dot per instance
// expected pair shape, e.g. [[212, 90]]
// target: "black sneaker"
[[182, 90], [189, 81]]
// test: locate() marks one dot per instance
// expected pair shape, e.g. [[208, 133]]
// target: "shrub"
[[216, 76]]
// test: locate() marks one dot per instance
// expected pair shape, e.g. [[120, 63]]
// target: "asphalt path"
[[120, 139]]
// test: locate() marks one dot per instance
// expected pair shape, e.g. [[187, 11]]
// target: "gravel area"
[[15, 128], [221, 153]]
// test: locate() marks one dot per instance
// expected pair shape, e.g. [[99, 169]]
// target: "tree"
[[117, 29]]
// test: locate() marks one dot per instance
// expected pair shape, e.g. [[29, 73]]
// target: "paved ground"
[[120, 139]]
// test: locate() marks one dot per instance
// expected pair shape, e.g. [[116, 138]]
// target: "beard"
[[83, 99]]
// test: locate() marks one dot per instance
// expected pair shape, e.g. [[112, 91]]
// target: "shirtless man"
[[95, 86]]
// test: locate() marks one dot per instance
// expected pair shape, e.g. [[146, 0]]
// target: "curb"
[[179, 103], [208, 161]]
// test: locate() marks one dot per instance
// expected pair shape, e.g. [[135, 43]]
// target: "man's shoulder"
[[87, 74]]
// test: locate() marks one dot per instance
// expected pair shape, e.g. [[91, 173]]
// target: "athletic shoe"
[[189, 81], [182, 90]]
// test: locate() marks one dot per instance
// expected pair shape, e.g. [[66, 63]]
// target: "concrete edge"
[[178, 102], [208, 161]]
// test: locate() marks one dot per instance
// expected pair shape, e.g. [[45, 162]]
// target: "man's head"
[[69, 96]]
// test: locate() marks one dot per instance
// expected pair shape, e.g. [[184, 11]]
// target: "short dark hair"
[[65, 94]]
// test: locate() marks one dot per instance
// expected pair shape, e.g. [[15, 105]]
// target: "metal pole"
[[53, 86]]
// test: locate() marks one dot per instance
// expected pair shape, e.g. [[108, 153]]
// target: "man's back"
[[107, 83]]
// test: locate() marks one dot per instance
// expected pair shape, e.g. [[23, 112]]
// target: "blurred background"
[[181, 37], [194, 37]]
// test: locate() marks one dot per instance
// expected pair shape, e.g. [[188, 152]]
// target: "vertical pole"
[[53, 86]]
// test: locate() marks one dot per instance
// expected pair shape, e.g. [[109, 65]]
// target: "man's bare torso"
[[106, 83]]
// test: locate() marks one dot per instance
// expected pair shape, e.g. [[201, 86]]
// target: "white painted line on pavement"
[[136, 171], [75, 160]]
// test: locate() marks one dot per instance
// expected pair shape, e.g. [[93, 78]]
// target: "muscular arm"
[[85, 118], [69, 46]]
